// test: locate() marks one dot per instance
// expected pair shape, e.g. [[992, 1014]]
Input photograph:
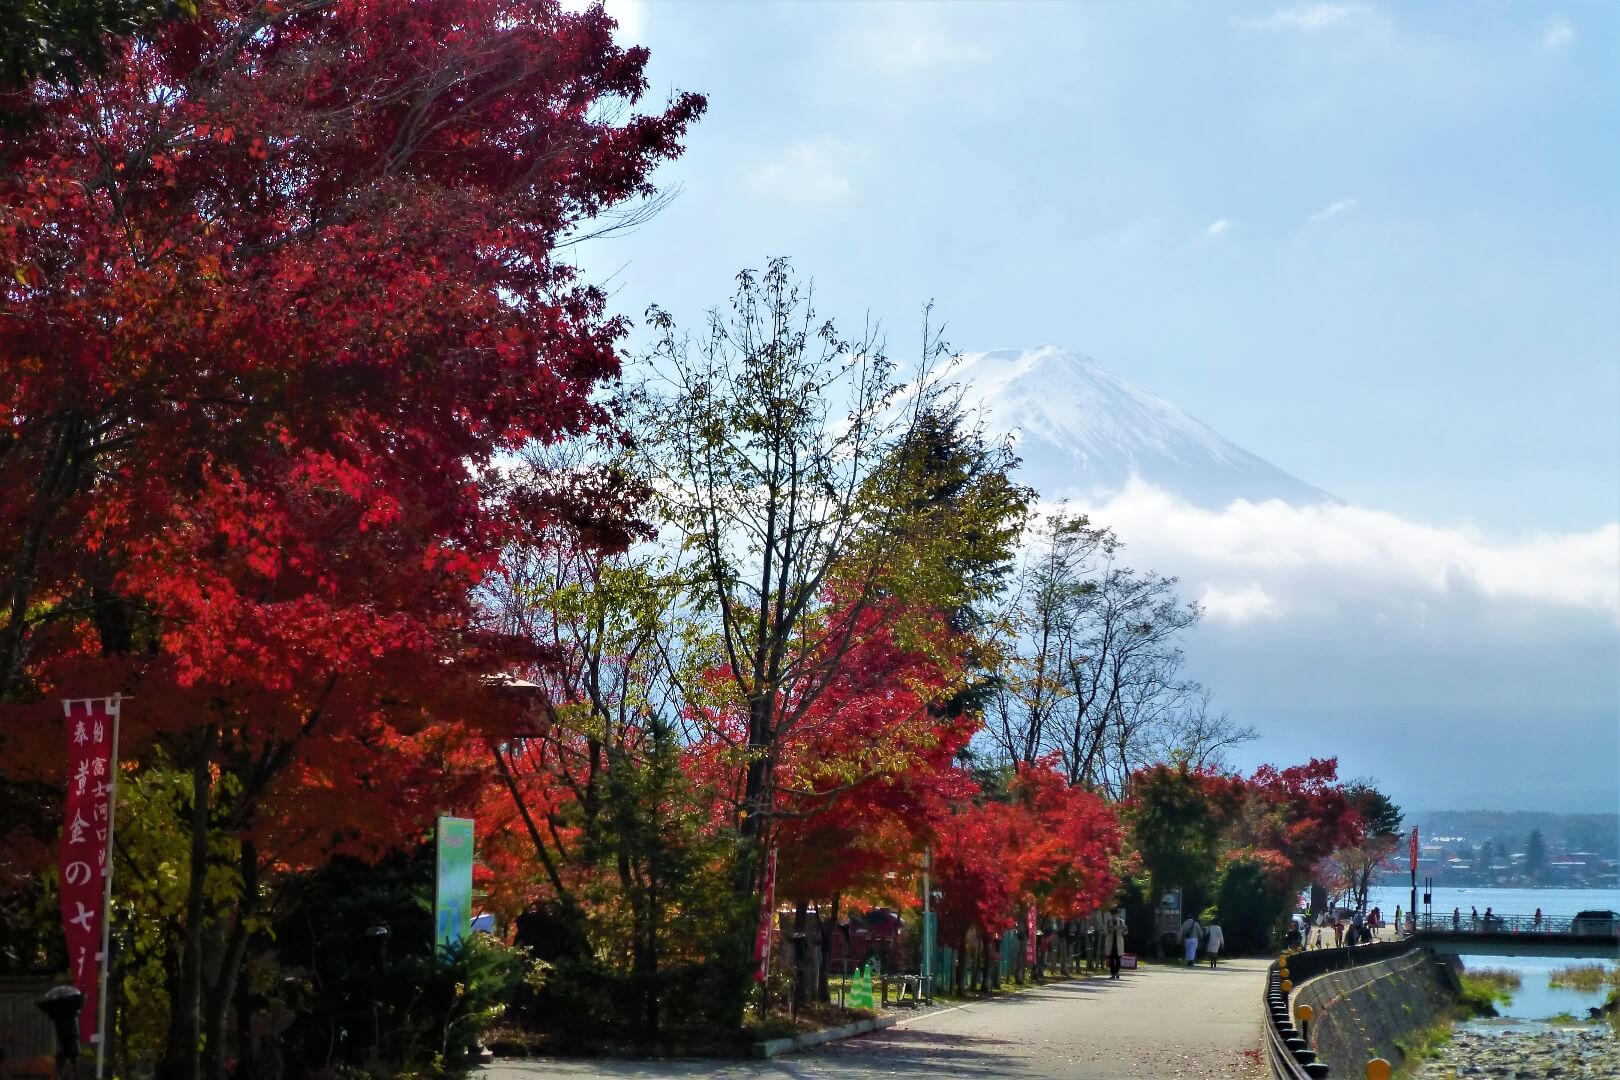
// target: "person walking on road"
[[1538, 918], [1114, 940], [1397, 920], [1190, 933], [1213, 940], [1456, 919]]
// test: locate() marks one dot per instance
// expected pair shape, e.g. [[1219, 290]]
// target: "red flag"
[[1029, 939], [86, 833], [1413, 847]]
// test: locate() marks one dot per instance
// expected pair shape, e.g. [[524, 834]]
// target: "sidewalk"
[[1153, 1024]]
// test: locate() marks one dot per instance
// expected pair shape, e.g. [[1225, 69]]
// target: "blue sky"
[[1377, 245]]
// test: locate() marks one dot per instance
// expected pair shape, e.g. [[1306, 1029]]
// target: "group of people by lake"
[[1359, 929], [1331, 929], [1488, 921]]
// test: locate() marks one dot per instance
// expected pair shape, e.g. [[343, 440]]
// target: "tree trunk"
[[802, 979], [225, 989], [828, 926], [59, 478], [649, 988], [182, 1059]]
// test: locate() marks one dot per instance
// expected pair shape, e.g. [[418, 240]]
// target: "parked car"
[[1596, 924]]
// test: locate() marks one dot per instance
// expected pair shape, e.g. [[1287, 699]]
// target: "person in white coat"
[[1214, 940], [1114, 940]]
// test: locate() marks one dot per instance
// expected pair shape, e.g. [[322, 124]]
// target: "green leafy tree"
[[1252, 895], [1359, 864], [62, 41], [1176, 830], [1535, 854]]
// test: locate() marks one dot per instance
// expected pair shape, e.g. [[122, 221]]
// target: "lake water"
[[1554, 903], [1534, 1000]]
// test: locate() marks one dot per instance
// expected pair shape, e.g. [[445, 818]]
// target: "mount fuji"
[[1083, 432]]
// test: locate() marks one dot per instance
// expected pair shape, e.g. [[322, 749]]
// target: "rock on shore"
[[1568, 1053]]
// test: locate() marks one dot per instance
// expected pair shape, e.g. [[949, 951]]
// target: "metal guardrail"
[[1286, 1051]]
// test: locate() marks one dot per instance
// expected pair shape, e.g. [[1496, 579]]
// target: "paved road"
[[1153, 1023]]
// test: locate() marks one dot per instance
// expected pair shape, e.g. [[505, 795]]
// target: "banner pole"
[[115, 707]]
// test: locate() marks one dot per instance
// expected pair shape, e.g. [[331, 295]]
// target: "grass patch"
[[1588, 977], [1423, 1044], [1483, 989], [1480, 997], [1501, 978]]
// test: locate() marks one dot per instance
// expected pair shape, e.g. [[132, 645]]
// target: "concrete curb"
[[772, 1047], [1007, 996]]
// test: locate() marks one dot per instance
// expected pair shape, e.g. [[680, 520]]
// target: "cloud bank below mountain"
[[1320, 556], [1459, 668]]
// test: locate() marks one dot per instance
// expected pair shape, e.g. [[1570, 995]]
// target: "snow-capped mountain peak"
[[1083, 432]]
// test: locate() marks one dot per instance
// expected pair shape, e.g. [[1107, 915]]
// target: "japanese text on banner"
[[82, 864]]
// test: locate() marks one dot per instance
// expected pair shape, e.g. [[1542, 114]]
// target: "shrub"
[[1251, 900]]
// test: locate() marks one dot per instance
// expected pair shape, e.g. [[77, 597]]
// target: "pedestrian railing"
[[1467, 923]]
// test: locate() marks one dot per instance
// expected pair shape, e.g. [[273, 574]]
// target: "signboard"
[[1169, 921], [83, 865], [1413, 848], [452, 883]]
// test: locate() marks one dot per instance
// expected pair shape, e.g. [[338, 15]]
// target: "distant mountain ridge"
[[1083, 432]]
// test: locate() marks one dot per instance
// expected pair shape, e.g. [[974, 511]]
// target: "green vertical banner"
[[452, 884]]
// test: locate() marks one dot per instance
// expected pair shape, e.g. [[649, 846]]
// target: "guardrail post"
[[1379, 1069]]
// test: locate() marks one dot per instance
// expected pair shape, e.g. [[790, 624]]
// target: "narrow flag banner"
[[83, 863]]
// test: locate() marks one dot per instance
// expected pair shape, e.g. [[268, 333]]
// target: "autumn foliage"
[[279, 292], [285, 339]]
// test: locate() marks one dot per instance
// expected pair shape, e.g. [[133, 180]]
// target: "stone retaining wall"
[[1362, 1011]]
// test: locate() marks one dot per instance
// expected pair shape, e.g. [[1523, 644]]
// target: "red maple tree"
[[279, 293]]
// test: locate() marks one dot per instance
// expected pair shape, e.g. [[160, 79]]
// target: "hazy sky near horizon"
[[1376, 244]]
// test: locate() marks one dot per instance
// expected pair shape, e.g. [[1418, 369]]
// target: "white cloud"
[[1332, 209], [1239, 604], [1313, 18], [1558, 34], [1266, 560], [815, 170], [909, 40], [931, 47], [1217, 229], [629, 14]]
